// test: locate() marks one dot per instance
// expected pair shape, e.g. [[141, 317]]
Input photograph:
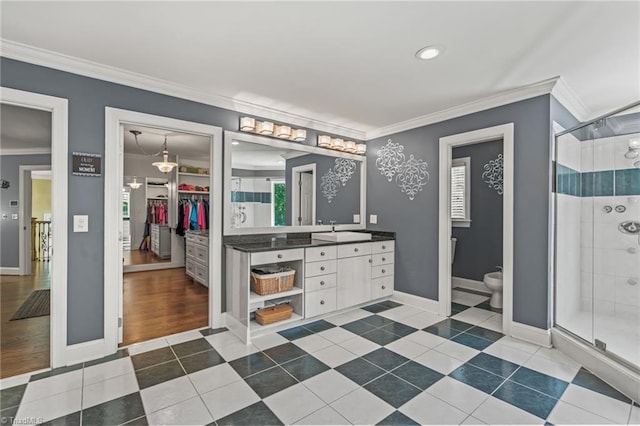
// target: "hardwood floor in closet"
[[163, 302], [141, 257], [24, 344]]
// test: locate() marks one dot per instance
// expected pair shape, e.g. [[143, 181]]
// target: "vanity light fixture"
[[165, 166], [268, 128], [339, 144], [350, 146], [324, 141], [361, 149]]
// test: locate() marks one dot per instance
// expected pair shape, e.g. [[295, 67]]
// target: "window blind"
[[458, 179]]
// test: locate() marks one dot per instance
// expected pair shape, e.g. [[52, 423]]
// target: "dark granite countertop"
[[259, 243]]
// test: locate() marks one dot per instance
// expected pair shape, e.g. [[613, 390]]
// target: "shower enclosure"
[[597, 234]]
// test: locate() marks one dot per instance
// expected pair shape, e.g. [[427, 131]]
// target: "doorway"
[[303, 195]]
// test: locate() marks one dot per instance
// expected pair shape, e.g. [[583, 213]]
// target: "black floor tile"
[[418, 375], [397, 419], [68, 420], [485, 333], [305, 367], [494, 364], [284, 353], [456, 308], [440, 329], [201, 360], [526, 399], [211, 331], [456, 324], [122, 353], [115, 412], [154, 357], [479, 379], [251, 364], [484, 305], [541, 382], [472, 341], [295, 333], [318, 326], [376, 308], [390, 304], [55, 372], [394, 391], [192, 347], [399, 329], [12, 396], [359, 327], [360, 371], [381, 336], [256, 414], [270, 381], [588, 380], [160, 373], [384, 358], [6, 414], [377, 320]]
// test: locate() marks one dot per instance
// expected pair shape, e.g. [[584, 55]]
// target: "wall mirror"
[[274, 186]]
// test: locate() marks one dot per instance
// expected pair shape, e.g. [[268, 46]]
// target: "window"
[[460, 192], [277, 202]]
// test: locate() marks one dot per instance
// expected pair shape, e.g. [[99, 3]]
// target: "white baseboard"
[[469, 284], [423, 303], [152, 267], [85, 351], [531, 334], [9, 271]]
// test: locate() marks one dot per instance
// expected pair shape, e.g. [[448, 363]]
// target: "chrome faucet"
[[319, 221], [333, 225], [499, 268]]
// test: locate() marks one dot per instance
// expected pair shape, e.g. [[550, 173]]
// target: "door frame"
[[113, 171], [58, 107], [506, 133], [26, 192], [295, 194]]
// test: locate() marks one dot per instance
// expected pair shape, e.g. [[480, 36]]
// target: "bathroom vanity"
[[329, 277]]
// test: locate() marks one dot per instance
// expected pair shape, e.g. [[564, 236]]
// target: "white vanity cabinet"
[[320, 280], [382, 268], [160, 240], [197, 257], [354, 274]]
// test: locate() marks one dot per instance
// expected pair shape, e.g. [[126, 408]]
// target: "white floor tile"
[[312, 343], [567, 414], [150, 345], [494, 323], [473, 315], [521, 345], [429, 410], [552, 368], [438, 361], [357, 314], [340, 319], [472, 421], [324, 416], [555, 355], [293, 403], [52, 407], [269, 341], [229, 399], [330, 385], [456, 350], [189, 412], [507, 352], [421, 320], [44, 388], [186, 336], [456, 393], [400, 312], [334, 356], [496, 412], [361, 407], [359, 345], [236, 350], [213, 377], [469, 299], [596, 403], [634, 419], [168, 393], [107, 370], [10, 382], [407, 348], [337, 334], [109, 389], [424, 338], [220, 340]]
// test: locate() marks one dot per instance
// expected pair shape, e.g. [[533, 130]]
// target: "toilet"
[[493, 281]]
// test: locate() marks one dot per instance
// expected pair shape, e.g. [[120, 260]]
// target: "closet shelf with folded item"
[[185, 188]]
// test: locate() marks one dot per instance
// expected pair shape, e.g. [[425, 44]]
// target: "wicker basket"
[[263, 284], [273, 314]]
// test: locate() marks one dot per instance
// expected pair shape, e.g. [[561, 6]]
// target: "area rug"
[[36, 305]]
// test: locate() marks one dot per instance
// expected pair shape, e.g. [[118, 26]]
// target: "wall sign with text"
[[85, 164]]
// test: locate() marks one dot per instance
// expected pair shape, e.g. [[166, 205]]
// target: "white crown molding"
[[59, 61], [503, 98], [568, 98], [25, 151]]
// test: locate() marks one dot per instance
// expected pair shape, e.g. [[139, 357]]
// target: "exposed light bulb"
[[632, 153]]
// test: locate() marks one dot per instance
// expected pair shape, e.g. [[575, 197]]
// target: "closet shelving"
[[199, 179], [156, 188]]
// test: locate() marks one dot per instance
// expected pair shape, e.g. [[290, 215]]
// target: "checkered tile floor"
[[384, 364]]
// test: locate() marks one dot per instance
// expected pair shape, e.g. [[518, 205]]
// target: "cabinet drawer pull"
[[356, 249], [321, 282], [322, 268], [370, 261], [384, 247], [321, 253], [384, 287], [322, 302], [384, 259], [279, 256], [383, 271]]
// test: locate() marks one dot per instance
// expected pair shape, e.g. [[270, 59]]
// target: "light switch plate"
[[373, 218], [5, 216], [80, 223], [14, 216], [356, 218]]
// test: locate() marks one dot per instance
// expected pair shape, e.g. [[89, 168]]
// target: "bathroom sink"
[[340, 237], [494, 278]]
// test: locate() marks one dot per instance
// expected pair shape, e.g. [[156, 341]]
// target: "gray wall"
[[9, 229], [416, 222], [343, 206], [479, 247]]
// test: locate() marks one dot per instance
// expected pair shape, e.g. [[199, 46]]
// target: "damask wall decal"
[[410, 175], [344, 168], [340, 174], [493, 174]]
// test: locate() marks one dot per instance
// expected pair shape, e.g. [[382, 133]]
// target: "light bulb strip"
[[339, 144], [268, 128]]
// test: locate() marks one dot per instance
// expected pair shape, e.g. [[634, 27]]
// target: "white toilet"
[[493, 281]]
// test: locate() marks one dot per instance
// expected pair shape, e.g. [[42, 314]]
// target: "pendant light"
[[165, 166], [135, 184]]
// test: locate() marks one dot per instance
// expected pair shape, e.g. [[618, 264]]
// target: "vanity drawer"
[[320, 282], [382, 259], [265, 257], [312, 269], [202, 254], [320, 302], [191, 250], [190, 268], [316, 254], [197, 239], [202, 275], [351, 250], [382, 246], [381, 287], [381, 271]]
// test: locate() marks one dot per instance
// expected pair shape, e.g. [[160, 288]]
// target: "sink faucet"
[[333, 225], [499, 268], [319, 221]]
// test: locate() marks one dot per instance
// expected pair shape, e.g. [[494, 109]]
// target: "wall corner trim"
[[535, 335], [568, 98], [428, 305]]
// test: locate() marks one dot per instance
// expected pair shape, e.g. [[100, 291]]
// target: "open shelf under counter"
[[255, 327], [256, 298]]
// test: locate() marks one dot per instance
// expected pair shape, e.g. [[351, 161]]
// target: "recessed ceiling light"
[[429, 52], [235, 143]]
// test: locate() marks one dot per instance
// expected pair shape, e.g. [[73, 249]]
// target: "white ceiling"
[[24, 129], [253, 156], [350, 63], [151, 140]]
